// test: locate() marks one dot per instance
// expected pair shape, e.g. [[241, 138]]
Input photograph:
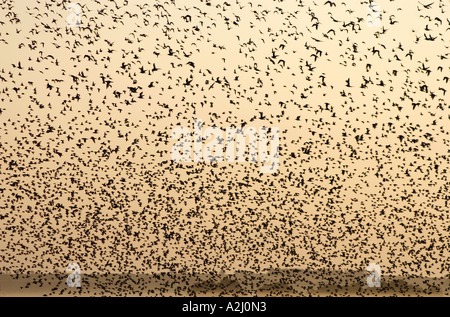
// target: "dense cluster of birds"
[[87, 111]]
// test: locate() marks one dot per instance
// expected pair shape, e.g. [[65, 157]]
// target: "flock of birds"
[[86, 115]]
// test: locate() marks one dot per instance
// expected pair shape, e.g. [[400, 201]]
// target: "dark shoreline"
[[271, 283]]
